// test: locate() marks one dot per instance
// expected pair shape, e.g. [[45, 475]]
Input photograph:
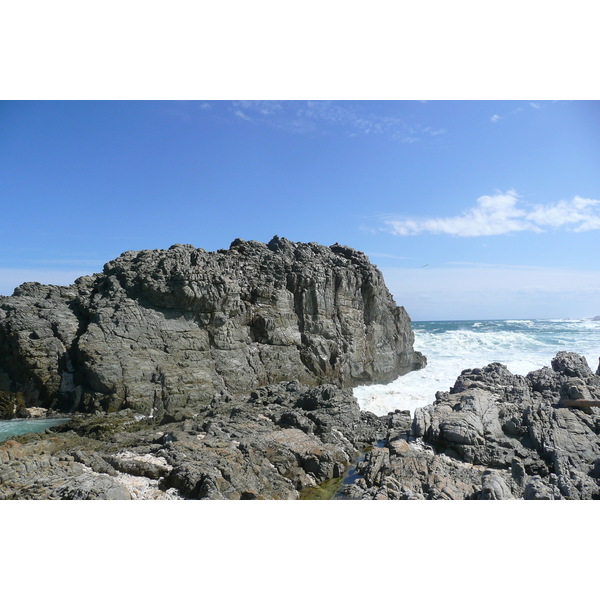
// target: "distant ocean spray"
[[452, 346]]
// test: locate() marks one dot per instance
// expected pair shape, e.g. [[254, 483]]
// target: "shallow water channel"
[[331, 489], [21, 426]]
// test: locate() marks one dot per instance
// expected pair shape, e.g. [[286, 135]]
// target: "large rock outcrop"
[[161, 331]]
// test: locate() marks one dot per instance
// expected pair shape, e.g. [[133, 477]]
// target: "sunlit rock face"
[[161, 330]]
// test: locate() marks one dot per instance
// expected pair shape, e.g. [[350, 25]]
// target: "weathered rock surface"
[[160, 331], [269, 444], [495, 435], [12, 406]]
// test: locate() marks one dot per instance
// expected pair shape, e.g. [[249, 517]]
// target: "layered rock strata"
[[163, 331], [496, 435]]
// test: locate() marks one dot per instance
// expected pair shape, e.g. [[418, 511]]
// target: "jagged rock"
[[496, 419], [495, 436], [571, 365], [494, 487], [268, 444], [410, 472], [536, 489], [160, 331]]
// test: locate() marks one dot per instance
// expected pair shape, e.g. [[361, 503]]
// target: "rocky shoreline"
[[229, 375], [496, 436], [493, 436]]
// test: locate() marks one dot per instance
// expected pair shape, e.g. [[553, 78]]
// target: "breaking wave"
[[452, 346]]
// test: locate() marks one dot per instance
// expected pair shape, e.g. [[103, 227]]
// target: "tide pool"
[[21, 426]]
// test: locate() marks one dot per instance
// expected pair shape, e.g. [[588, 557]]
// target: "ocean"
[[452, 346]]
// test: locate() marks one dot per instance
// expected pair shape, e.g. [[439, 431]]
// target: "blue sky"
[[472, 209]]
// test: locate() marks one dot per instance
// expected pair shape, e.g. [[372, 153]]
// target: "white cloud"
[[501, 214], [241, 115], [495, 118], [580, 213]]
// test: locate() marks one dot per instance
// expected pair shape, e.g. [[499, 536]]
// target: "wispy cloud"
[[354, 119], [385, 255], [433, 132], [263, 107], [503, 213], [242, 115], [496, 117]]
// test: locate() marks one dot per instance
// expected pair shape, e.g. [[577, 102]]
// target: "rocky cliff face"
[[160, 331]]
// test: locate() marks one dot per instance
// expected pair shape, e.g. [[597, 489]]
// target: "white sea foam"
[[522, 346]]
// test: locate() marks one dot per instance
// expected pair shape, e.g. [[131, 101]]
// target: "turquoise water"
[[452, 346], [21, 426]]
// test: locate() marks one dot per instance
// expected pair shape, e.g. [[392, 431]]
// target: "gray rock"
[[571, 365], [536, 489], [269, 444], [495, 436], [406, 471], [161, 331], [494, 487], [525, 424]]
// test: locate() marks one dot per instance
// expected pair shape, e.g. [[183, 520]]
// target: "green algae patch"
[[12, 405], [105, 426], [326, 491]]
